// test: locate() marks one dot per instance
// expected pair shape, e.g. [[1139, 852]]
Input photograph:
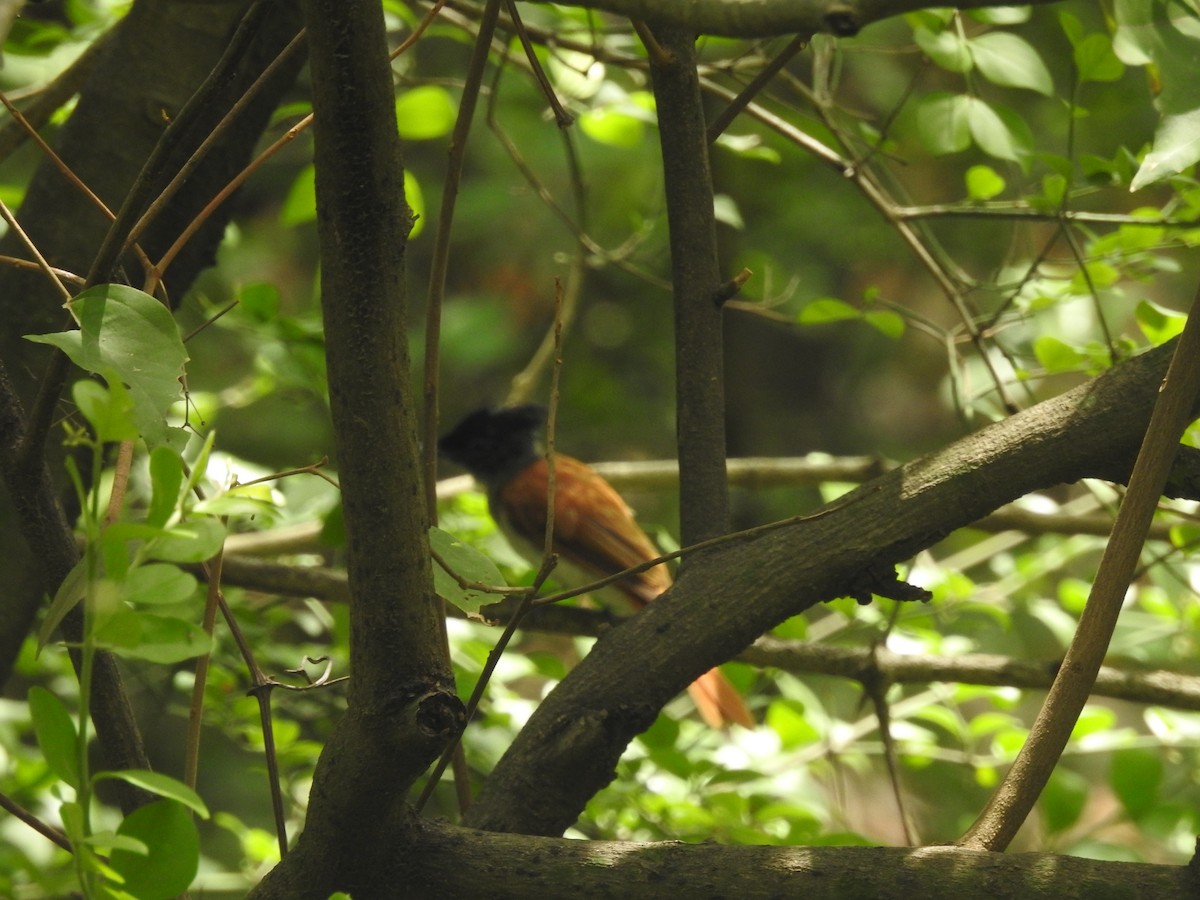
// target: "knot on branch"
[[881, 581], [842, 21], [441, 715]]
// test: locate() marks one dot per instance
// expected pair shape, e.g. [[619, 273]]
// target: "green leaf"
[[984, 183], [71, 814], [613, 126], [1095, 275], [159, 639], [1166, 35], [166, 475], [192, 541], [945, 47], [173, 851], [1157, 323], [1136, 776], [117, 627], [158, 583], [255, 502], [725, 210], [108, 409], [261, 301], [69, 593], [1176, 146], [1010, 61], [1056, 355], [56, 734], [793, 728], [943, 122], [1054, 190], [1063, 799], [827, 309], [425, 112], [470, 565], [748, 146], [889, 323], [416, 202], [1073, 594], [162, 785], [129, 333], [300, 204], [1095, 59], [993, 133], [1071, 27], [110, 840], [1001, 15]]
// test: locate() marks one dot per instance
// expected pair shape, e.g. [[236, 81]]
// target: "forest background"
[[921, 228]]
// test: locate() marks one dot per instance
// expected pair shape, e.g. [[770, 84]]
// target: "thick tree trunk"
[[162, 52]]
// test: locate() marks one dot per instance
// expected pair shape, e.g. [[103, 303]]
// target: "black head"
[[494, 445]]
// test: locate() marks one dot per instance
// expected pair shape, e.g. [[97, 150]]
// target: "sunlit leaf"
[[193, 541], [617, 128], [943, 122], [160, 784], [159, 639], [158, 583], [1157, 323], [69, 593], [1166, 35], [984, 183], [56, 734], [1056, 355], [1006, 59], [173, 851], [827, 309], [129, 333], [992, 133], [425, 112], [470, 565], [109, 410], [1095, 59], [416, 202], [300, 204], [166, 476], [945, 47], [886, 322]]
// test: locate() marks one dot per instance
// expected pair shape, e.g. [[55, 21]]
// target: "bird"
[[595, 533]]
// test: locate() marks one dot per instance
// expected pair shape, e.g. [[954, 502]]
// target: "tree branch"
[[696, 280], [726, 599], [767, 18], [402, 705], [509, 866]]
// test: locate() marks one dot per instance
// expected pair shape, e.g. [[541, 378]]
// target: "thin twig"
[[562, 118], [295, 46], [42, 264], [439, 269], [47, 831], [525, 604], [718, 125]]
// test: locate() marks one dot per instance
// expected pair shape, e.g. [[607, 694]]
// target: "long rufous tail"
[[718, 703]]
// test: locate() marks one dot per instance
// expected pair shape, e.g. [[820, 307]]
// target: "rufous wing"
[[595, 531], [718, 702]]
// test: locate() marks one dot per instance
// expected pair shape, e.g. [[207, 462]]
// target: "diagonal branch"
[[763, 18], [1173, 410], [726, 599]]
